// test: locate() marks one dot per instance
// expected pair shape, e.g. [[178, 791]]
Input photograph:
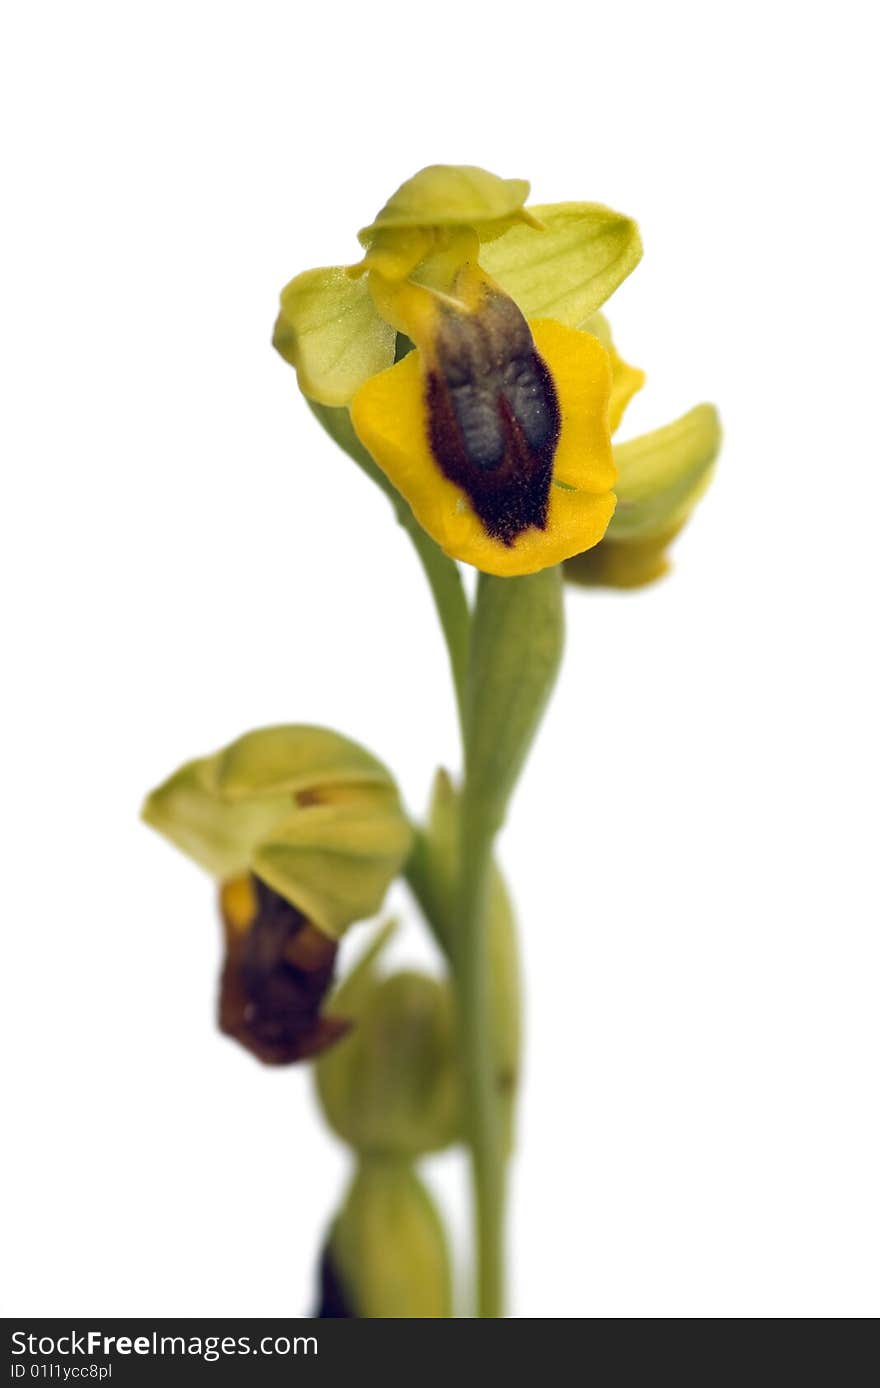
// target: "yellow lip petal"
[[626, 380], [582, 374], [389, 414]]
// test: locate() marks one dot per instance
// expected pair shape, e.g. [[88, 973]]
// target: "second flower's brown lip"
[[275, 976], [493, 415]]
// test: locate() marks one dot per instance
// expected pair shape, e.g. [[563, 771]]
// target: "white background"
[[185, 556]]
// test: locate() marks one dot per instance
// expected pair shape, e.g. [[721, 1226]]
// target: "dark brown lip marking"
[[275, 977], [493, 416]]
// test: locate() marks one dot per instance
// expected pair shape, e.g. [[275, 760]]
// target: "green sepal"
[[292, 757], [335, 862], [329, 330], [218, 836], [312, 813], [568, 268], [662, 475]]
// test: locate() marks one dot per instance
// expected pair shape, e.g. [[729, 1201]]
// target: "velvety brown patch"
[[493, 416], [275, 976]]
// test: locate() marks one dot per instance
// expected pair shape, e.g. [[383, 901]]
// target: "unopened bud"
[[386, 1257], [391, 1084]]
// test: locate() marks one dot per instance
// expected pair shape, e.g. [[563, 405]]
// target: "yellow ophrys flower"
[[304, 831], [495, 429]]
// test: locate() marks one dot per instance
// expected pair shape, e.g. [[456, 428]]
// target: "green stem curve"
[[442, 573]]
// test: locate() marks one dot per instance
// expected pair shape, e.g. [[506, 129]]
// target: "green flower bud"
[[661, 477], [312, 814], [391, 1085], [387, 1256], [433, 871]]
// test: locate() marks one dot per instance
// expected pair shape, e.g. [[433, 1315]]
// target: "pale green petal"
[[218, 835], [450, 195], [328, 328], [335, 862], [308, 810], [294, 757], [570, 268], [662, 475]]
